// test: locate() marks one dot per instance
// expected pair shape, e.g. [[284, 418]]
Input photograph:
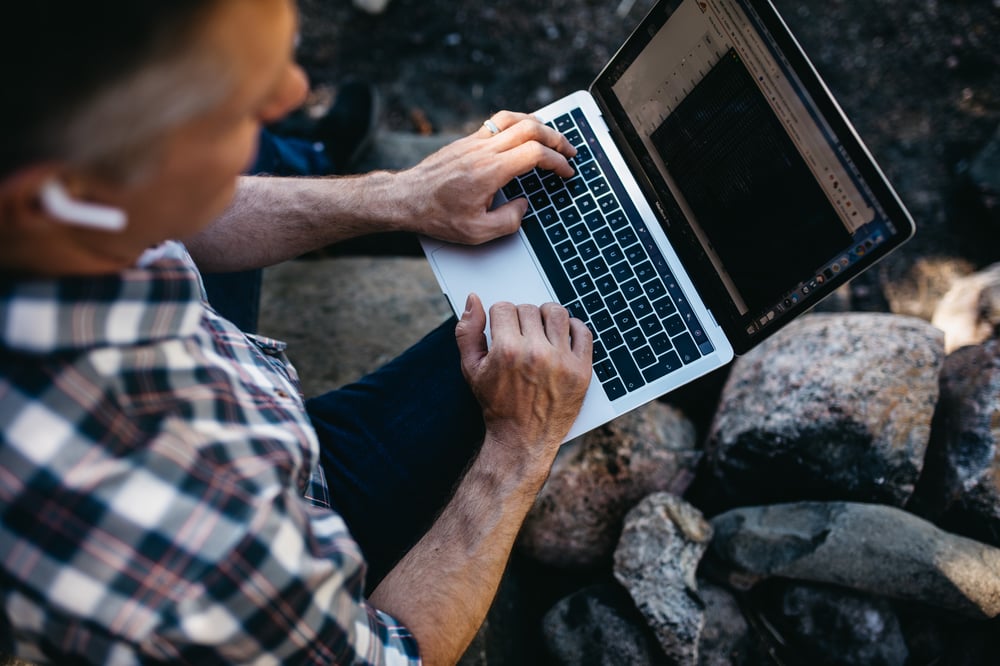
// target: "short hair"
[[92, 82]]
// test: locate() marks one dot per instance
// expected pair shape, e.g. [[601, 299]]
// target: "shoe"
[[348, 128]]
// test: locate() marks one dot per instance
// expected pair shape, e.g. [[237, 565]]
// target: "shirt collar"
[[159, 298]]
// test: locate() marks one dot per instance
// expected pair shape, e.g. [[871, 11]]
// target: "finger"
[[530, 319], [582, 341], [505, 219], [470, 333], [556, 320], [503, 321], [524, 157], [530, 130], [501, 120]]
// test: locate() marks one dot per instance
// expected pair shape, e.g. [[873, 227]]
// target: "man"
[[161, 494]]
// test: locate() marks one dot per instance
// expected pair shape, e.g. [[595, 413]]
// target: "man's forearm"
[[443, 588], [274, 219]]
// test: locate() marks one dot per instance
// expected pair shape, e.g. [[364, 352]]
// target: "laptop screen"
[[760, 182]]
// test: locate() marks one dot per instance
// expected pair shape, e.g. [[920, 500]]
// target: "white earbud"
[[60, 205]]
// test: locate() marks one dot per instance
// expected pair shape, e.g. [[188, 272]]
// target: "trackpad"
[[501, 270]]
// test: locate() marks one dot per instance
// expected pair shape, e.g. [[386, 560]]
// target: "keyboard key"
[[650, 325], [531, 182], [626, 237], [590, 171], [630, 374], [576, 310], [686, 348], [579, 233], [604, 237], [592, 302], [614, 389], [605, 370], [613, 254], [634, 338], [602, 320], [583, 284], [561, 199], [553, 183], [641, 307], [631, 289], [570, 216], [654, 289], [577, 187], [548, 216], [625, 320], [574, 137], [612, 338], [587, 250], [599, 352], [622, 271], [564, 123], [574, 266], [673, 325], [607, 203], [617, 219], [616, 302], [557, 233], [583, 155], [565, 251], [597, 267], [644, 356], [606, 284], [662, 368], [661, 343], [635, 254], [593, 219], [664, 307], [539, 200], [645, 272], [600, 186]]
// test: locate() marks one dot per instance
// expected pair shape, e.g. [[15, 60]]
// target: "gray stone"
[[969, 313], [831, 407], [656, 560], [725, 639], [598, 477], [599, 626], [961, 486], [860, 630], [878, 549], [346, 317]]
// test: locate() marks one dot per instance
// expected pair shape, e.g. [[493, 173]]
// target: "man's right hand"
[[531, 383]]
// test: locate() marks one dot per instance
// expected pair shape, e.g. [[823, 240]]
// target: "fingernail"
[[468, 304]]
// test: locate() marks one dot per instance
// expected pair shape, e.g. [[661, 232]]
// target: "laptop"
[[719, 193]]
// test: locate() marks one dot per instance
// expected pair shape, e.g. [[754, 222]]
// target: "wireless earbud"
[[60, 205]]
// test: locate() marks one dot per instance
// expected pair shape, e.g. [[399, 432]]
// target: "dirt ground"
[[920, 79]]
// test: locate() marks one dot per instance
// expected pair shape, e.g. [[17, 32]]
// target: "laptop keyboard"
[[606, 269]]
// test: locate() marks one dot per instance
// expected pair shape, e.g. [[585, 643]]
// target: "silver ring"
[[491, 126]]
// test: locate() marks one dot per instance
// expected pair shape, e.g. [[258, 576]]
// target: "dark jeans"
[[395, 443]]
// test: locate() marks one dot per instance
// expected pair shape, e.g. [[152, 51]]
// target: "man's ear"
[[20, 197], [38, 195]]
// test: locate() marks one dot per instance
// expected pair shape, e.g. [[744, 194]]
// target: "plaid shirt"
[[157, 494]]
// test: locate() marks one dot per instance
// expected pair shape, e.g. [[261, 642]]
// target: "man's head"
[[124, 102]]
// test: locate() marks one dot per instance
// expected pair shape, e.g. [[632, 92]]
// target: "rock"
[[372, 6], [969, 313], [961, 485], [826, 624], [877, 549], [598, 477], [918, 291], [599, 625], [656, 559], [831, 407], [725, 639], [345, 317]]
